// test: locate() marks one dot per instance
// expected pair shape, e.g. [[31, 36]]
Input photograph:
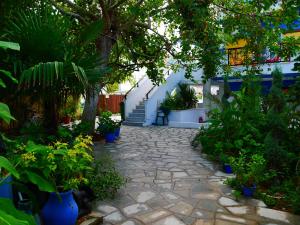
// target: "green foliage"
[[4, 109], [83, 128], [59, 166], [8, 167], [250, 169], [9, 215], [106, 124], [5, 113], [105, 179], [260, 136], [184, 98]]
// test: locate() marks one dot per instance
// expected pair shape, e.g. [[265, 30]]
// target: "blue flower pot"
[[227, 168], [248, 191], [6, 188], [117, 132], [60, 210], [110, 137]]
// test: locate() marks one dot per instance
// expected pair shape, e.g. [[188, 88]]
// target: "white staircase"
[[137, 117], [143, 100]]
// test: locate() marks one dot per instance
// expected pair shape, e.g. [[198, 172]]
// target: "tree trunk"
[[104, 46], [50, 116]]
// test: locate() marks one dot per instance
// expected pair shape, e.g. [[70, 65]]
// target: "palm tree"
[[52, 65]]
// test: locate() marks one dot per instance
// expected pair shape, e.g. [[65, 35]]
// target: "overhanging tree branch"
[[71, 14]]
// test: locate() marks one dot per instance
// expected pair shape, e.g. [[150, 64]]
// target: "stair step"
[[137, 115], [136, 119], [139, 111], [140, 107], [137, 124]]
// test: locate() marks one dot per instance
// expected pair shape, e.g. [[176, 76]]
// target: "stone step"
[[138, 111], [140, 107], [132, 115], [135, 119], [137, 124]]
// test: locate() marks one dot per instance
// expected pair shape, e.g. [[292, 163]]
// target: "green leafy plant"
[[4, 109], [105, 180], [63, 167], [106, 124], [83, 128], [9, 215], [249, 169], [183, 98]]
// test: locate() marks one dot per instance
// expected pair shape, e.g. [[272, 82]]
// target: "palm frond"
[[54, 75]]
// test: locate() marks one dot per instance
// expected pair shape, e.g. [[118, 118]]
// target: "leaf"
[[41, 182], [9, 45], [5, 113], [91, 32], [2, 84], [8, 74], [9, 215], [6, 164]]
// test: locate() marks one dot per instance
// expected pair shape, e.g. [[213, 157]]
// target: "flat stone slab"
[[239, 210], [275, 215], [114, 217], [224, 201], [106, 209], [203, 222], [182, 208], [145, 196], [171, 220], [153, 216], [134, 209]]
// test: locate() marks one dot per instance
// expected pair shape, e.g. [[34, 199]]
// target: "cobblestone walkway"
[[172, 184]]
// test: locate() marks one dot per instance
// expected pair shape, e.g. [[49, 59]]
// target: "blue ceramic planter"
[[6, 188], [117, 132], [58, 211], [110, 137], [248, 191], [227, 168]]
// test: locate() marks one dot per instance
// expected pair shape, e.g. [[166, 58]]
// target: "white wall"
[[286, 67], [159, 93], [188, 115]]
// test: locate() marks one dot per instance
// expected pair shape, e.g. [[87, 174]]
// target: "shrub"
[[184, 97], [105, 179]]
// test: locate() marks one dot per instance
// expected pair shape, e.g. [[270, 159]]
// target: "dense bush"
[[259, 136], [105, 180]]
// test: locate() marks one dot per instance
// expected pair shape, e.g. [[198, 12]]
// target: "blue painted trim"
[[264, 76]]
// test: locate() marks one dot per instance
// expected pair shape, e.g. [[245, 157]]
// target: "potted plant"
[[107, 127], [249, 171], [64, 166], [117, 129], [67, 115], [226, 164]]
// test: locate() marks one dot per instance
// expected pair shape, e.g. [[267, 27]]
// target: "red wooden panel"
[[110, 104]]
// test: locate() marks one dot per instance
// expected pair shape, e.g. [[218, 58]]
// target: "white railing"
[[137, 94]]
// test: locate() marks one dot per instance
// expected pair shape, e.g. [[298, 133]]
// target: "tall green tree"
[[145, 33]]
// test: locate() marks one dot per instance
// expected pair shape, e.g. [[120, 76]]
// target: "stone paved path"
[[172, 184]]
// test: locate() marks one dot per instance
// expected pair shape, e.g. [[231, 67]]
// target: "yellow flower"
[[50, 156], [28, 157]]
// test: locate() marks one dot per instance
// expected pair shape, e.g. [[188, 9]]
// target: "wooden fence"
[[110, 104]]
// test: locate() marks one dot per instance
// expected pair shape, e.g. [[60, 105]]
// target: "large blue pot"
[[6, 188], [110, 137], [117, 132], [248, 191], [61, 210]]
